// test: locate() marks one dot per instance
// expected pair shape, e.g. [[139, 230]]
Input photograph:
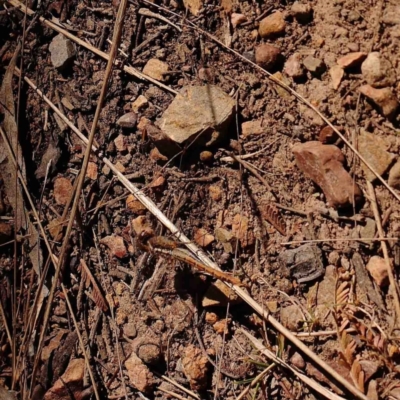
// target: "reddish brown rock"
[[195, 367], [253, 128], [120, 143], [211, 318], [70, 384], [267, 56], [383, 98], [377, 268], [139, 374], [128, 120], [293, 66], [116, 245], [156, 69], [158, 184], [92, 171], [351, 60], [336, 73], [135, 205], [62, 190], [142, 227], [324, 165], [222, 327], [272, 26], [394, 176], [237, 19], [327, 135]]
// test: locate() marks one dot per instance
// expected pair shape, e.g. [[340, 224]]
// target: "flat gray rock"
[[62, 51], [201, 112], [303, 263]]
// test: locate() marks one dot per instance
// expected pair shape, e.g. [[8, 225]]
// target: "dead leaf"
[[7, 167]]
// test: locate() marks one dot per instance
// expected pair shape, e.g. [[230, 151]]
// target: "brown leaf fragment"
[[364, 283], [7, 167], [8, 170], [270, 213], [358, 376], [89, 279]]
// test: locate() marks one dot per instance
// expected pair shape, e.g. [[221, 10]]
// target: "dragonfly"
[[167, 247]]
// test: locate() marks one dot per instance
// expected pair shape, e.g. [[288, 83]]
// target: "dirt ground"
[[274, 193]]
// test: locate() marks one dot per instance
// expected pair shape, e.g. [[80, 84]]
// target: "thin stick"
[[380, 239], [173, 394], [87, 361], [146, 12], [289, 89], [151, 206], [246, 165], [189, 392], [130, 70], [393, 285], [304, 378], [3, 315], [321, 333], [81, 178]]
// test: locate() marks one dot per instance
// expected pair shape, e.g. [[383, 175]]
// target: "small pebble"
[[302, 12], [120, 143], [116, 245], [298, 361], [127, 121], [140, 103], [293, 66], [336, 73], [383, 98], [327, 135], [62, 190], [62, 52], [237, 19], [92, 171], [351, 60], [267, 56], [378, 71], [314, 65], [377, 268], [156, 69], [211, 318], [272, 26], [206, 156]]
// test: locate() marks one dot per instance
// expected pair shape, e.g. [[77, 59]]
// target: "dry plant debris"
[[296, 220]]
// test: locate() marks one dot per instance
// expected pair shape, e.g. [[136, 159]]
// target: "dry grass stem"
[[304, 378], [85, 355], [393, 284]]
